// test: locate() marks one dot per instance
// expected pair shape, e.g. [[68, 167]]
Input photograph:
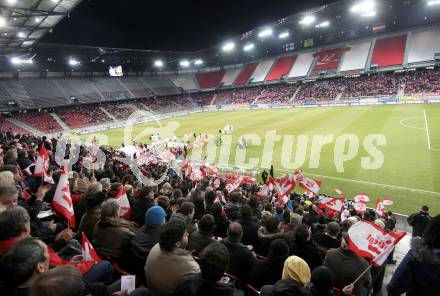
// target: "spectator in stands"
[[241, 258], [419, 221], [322, 283], [14, 226], [269, 232], [296, 274], [419, 271], [186, 214], [221, 222], [250, 226], [347, 266], [21, 265], [328, 239], [214, 261], [268, 271], [145, 239], [9, 196], [63, 280], [304, 248], [92, 215], [169, 253], [199, 239], [142, 204], [112, 235]]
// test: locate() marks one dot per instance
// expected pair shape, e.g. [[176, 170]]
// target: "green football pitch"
[[409, 174]]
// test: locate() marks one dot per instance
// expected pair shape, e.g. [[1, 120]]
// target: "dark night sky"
[[184, 25]]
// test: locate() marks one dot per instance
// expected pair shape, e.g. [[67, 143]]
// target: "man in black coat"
[[140, 207], [328, 239], [304, 248], [250, 226], [214, 261], [241, 258], [269, 271], [145, 239], [199, 239], [419, 221]]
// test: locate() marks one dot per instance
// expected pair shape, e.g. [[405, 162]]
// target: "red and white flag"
[[266, 190], [380, 208], [334, 204], [284, 185], [387, 202], [368, 240], [88, 252], [62, 200], [311, 185], [122, 199], [359, 207], [362, 198], [235, 185], [42, 163], [339, 192]]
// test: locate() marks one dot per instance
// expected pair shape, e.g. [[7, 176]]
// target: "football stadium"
[[294, 150]]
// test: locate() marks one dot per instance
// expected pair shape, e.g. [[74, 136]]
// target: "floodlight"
[[158, 63], [229, 46], [184, 63], [38, 19], [21, 34], [265, 33], [433, 2], [198, 62], [74, 62], [248, 47], [324, 24], [307, 20], [19, 61], [2, 22], [283, 35], [12, 2], [364, 9]]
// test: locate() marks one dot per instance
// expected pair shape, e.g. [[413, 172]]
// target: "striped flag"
[[62, 200]]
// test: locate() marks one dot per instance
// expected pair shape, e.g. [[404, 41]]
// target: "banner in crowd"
[[124, 205], [62, 200], [368, 240]]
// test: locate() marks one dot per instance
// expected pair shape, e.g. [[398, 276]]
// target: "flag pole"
[[362, 274]]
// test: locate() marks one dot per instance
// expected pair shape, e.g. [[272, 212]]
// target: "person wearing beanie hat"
[[322, 281], [145, 239], [269, 271], [155, 216], [92, 214], [296, 274], [83, 185]]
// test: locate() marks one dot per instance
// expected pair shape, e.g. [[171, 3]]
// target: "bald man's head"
[[235, 232]]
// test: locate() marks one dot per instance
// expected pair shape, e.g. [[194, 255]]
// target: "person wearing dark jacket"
[[214, 261], [329, 238], [267, 233], [304, 248], [92, 215], [199, 239], [250, 226], [241, 258], [269, 271], [419, 221], [145, 239], [419, 271], [296, 274], [221, 222], [140, 206]]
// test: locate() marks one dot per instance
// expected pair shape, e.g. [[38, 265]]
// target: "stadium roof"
[[23, 22], [333, 23]]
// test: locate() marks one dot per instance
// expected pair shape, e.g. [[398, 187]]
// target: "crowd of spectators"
[[422, 82], [82, 115], [317, 90], [277, 94], [184, 237]]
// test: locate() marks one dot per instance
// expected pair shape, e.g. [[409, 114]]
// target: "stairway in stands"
[[60, 121]]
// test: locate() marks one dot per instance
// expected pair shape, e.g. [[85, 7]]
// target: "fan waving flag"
[[42, 163], [122, 199], [266, 190], [380, 208], [359, 207], [88, 252], [62, 200], [311, 185], [362, 197], [235, 185], [334, 204], [284, 185], [366, 239]]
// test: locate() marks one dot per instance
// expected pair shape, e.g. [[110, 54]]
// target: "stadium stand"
[[245, 74], [185, 81], [319, 90], [81, 116], [231, 75], [261, 70], [302, 65], [79, 88], [41, 121], [281, 68], [160, 85], [43, 92], [389, 51], [422, 83], [280, 94], [203, 99], [356, 58], [16, 91], [110, 88], [210, 80], [137, 86], [423, 46], [6, 125], [327, 60]]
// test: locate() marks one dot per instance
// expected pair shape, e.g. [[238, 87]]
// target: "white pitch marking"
[[402, 122], [427, 130]]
